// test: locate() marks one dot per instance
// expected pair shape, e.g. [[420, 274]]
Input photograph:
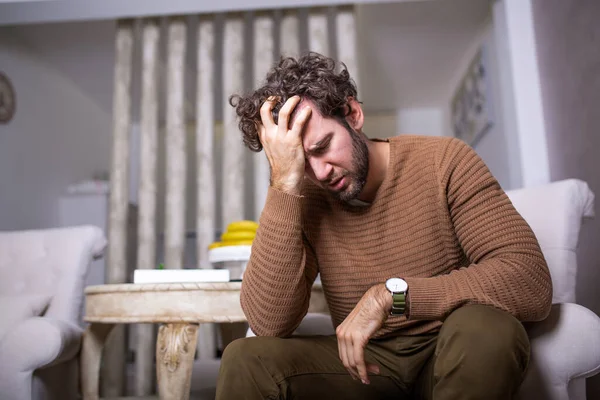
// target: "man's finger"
[[261, 133], [351, 367], [283, 119], [300, 121], [359, 359], [344, 357], [265, 112]]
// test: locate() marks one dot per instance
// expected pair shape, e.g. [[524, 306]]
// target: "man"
[[426, 266]]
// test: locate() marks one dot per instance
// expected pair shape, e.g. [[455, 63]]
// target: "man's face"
[[337, 157]]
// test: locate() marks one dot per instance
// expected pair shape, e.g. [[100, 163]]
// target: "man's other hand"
[[283, 146], [359, 326]]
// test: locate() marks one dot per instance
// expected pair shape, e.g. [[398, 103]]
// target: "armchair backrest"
[[50, 262], [555, 212]]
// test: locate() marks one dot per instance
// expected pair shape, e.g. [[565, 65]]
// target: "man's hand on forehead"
[[282, 142], [280, 102]]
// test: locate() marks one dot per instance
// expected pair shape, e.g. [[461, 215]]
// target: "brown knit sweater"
[[439, 220]]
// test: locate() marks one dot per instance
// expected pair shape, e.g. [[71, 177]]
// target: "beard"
[[357, 178]]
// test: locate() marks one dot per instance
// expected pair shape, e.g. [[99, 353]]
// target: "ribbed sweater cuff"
[[427, 298], [283, 207]]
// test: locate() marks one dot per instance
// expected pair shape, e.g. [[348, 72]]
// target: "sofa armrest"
[[566, 345], [40, 342]]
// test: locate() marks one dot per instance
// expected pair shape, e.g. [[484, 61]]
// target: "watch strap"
[[398, 303]]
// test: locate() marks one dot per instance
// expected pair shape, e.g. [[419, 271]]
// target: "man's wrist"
[[289, 188], [384, 298]]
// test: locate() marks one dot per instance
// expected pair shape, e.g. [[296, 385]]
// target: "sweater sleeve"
[[505, 267], [282, 268]]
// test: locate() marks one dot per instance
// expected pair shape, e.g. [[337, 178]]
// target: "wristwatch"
[[398, 288]]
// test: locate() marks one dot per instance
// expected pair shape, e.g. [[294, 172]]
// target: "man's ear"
[[355, 116]]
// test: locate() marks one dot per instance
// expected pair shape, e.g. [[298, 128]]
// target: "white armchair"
[[42, 275], [565, 348]]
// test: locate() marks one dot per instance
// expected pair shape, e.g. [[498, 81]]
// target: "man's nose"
[[320, 168]]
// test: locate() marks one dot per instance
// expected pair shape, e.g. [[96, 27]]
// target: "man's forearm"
[[525, 290], [277, 281]]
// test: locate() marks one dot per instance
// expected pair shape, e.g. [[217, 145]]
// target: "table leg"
[[91, 352], [175, 348]]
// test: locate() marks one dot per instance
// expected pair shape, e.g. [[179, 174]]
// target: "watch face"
[[396, 285]]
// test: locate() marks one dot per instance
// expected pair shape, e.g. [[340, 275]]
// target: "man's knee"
[[485, 343], [242, 352], [246, 370], [484, 329]]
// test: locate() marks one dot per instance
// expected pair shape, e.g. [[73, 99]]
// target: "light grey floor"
[[204, 379]]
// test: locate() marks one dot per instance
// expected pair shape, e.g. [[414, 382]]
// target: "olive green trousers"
[[479, 353]]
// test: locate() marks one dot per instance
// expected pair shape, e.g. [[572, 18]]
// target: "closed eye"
[[321, 147], [320, 150], [315, 152]]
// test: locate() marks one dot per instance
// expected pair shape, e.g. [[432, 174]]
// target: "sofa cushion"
[[17, 308]]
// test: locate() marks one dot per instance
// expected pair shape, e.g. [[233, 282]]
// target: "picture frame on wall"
[[471, 105]]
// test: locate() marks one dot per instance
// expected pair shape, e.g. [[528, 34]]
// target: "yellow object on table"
[[239, 233], [242, 226]]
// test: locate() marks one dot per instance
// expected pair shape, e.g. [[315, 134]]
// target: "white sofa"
[[42, 275]]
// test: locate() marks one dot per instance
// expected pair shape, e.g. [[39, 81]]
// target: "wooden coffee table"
[[178, 308]]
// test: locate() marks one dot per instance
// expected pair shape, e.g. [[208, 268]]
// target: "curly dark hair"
[[312, 76]]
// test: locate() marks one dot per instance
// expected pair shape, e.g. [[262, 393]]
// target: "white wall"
[[380, 125], [82, 52], [410, 50], [494, 147], [520, 82], [422, 121], [515, 147], [57, 136]]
